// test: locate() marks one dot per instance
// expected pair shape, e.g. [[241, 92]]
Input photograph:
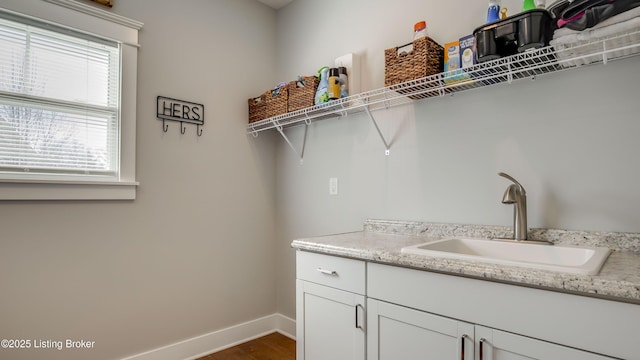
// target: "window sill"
[[67, 190]]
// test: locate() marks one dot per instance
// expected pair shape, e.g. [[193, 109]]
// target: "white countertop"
[[382, 241]]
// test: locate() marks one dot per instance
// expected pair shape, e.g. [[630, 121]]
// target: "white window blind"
[[59, 102]]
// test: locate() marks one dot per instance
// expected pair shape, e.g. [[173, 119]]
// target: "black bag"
[[584, 14]]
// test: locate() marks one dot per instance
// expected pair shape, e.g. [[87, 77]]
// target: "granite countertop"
[[381, 242]]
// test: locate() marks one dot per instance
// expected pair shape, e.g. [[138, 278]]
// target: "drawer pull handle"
[[358, 324], [462, 340], [482, 341], [328, 272]]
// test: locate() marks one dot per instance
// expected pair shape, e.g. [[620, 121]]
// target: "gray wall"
[[570, 138], [194, 252]]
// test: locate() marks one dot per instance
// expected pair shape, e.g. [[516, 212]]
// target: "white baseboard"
[[285, 326], [202, 345]]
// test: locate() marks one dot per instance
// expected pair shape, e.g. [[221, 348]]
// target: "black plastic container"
[[517, 33]]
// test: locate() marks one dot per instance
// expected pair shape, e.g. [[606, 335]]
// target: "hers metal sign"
[[179, 110]]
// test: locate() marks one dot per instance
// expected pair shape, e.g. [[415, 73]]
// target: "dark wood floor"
[[271, 347]]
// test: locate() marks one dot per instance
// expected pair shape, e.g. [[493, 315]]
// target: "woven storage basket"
[[277, 103], [257, 108], [302, 97], [426, 58]]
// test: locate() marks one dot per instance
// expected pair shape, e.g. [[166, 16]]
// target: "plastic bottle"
[[334, 84], [344, 82], [503, 13], [419, 30], [493, 11], [322, 95], [528, 5]]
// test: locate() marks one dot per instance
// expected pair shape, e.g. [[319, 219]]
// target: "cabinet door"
[[400, 333], [499, 345], [330, 323]]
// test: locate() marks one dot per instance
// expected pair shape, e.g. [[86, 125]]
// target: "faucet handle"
[[507, 176]]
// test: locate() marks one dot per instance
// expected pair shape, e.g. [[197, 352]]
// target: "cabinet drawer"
[[340, 273], [596, 325]]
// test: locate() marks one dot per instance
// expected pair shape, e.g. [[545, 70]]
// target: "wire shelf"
[[504, 70]]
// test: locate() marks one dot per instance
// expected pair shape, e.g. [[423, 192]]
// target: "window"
[[67, 124], [59, 100]]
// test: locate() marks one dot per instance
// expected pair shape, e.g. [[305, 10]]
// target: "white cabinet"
[[499, 345], [330, 323], [330, 308], [351, 310], [400, 333], [593, 325]]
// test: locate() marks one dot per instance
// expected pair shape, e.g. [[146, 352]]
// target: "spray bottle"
[[528, 5], [322, 94], [493, 12]]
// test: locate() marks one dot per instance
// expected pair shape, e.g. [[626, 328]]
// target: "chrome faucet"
[[516, 195]]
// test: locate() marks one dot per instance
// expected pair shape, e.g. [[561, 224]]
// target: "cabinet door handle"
[[328, 272], [482, 341], [358, 325], [462, 341]]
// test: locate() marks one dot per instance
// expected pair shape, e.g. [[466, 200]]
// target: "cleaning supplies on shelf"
[[419, 30], [493, 11], [467, 51], [344, 81], [453, 63], [334, 84], [322, 94], [528, 5]]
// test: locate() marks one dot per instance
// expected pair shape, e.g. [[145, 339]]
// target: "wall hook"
[[180, 111]]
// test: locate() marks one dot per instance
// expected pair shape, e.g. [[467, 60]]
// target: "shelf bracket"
[[304, 140], [343, 113], [442, 88], [386, 145], [307, 119]]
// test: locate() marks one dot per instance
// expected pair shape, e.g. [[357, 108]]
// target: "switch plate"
[[333, 186]]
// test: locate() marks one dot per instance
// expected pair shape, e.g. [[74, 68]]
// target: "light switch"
[[333, 186]]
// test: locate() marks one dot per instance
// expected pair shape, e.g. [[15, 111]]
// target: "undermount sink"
[[578, 260]]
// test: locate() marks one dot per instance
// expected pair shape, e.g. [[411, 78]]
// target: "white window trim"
[[93, 20]]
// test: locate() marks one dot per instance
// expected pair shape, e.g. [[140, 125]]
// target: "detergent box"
[[452, 64], [467, 51]]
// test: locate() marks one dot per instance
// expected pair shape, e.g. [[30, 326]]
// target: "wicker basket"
[[302, 97], [257, 108], [426, 58], [277, 103]]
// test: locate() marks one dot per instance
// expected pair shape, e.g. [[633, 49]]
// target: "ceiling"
[[276, 4]]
